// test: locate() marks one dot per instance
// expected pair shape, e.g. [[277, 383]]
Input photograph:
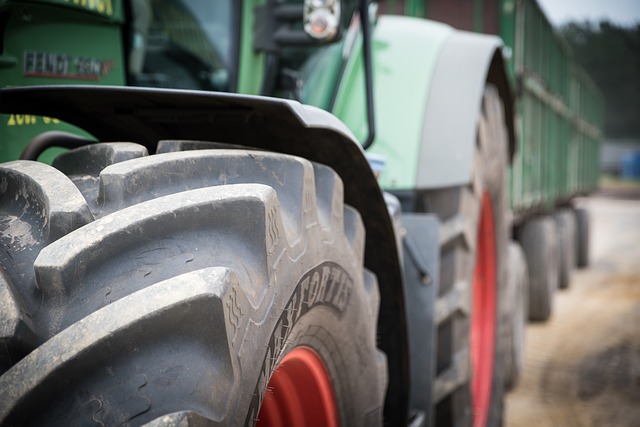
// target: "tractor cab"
[[294, 50]]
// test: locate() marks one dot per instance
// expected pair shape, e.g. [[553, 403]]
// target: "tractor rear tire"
[[516, 321], [469, 388], [582, 237], [538, 238], [566, 226], [202, 272]]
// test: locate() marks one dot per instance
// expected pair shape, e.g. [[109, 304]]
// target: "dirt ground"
[[582, 368]]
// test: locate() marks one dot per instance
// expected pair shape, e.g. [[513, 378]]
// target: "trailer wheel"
[[566, 226], [538, 240], [211, 283], [470, 386], [582, 237], [516, 321]]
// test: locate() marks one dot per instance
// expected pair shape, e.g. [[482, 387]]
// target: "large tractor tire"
[[516, 317], [217, 287], [582, 237], [566, 227], [538, 239], [469, 387]]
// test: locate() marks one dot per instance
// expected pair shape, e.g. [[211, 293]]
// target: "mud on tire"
[[168, 288]]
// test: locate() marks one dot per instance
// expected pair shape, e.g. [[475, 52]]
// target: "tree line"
[[610, 54]]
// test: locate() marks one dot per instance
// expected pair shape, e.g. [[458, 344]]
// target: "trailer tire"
[[516, 321], [566, 227], [538, 240], [582, 237], [180, 302], [469, 386]]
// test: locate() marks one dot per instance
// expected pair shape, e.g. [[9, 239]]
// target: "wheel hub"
[[483, 316], [299, 393]]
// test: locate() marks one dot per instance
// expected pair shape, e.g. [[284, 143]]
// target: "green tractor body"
[[56, 42]]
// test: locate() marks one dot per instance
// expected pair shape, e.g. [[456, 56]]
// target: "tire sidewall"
[[538, 240], [516, 318], [582, 236], [336, 325]]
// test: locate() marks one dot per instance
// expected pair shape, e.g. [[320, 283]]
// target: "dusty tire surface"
[[566, 228], [168, 288], [459, 210], [540, 245], [518, 301]]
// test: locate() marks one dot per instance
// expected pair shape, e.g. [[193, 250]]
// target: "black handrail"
[[50, 139], [368, 72]]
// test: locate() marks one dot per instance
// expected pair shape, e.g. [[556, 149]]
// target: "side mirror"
[[314, 22], [322, 19]]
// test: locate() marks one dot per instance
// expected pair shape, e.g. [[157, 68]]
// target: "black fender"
[[421, 255], [146, 116]]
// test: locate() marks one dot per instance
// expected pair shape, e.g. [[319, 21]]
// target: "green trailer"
[[214, 247], [561, 113]]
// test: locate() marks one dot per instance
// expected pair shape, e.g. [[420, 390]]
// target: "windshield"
[[183, 44]]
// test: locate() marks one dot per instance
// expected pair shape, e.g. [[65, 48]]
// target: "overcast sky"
[[621, 12]]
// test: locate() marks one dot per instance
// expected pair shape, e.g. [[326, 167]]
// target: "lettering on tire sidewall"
[[328, 285]]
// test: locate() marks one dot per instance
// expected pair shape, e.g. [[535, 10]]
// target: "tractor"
[[260, 212]]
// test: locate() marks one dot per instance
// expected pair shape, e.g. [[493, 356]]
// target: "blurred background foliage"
[[610, 54]]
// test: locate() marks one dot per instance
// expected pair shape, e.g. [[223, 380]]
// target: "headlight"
[[322, 18]]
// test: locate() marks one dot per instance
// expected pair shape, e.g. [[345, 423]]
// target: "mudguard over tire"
[[540, 245], [202, 271], [469, 388]]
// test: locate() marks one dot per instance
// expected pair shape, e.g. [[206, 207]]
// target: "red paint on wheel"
[[483, 316], [299, 393]]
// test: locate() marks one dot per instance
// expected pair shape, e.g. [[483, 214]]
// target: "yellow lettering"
[[102, 6], [48, 120], [20, 120]]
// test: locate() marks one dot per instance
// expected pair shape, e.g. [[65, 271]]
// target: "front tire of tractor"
[[538, 240], [214, 288], [469, 387]]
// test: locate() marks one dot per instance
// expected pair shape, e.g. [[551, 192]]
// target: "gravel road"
[[582, 368]]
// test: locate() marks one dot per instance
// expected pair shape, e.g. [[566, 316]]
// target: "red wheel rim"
[[299, 393], [483, 315]]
